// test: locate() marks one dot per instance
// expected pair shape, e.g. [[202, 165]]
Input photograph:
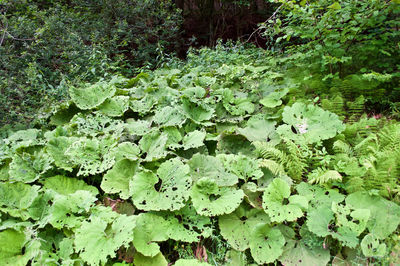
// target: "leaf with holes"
[[211, 200], [150, 228], [274, 202], [309, 123], [237, 226], [167, 190], [99, 238], [116, 180], [92, 96], [266, 243]]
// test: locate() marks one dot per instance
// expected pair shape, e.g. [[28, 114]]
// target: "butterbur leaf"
[[115, 106], [274, 98], [237, 226], [146, 234], [144, 105], [94, 156], [372, 247], [318, 196], [157, 260], [242, 166], [258, 129], [92, 96], [212, 168], [169, 116], [67, 185], [236, 258], [98, 240], [379, 207], [154, 145], [187, 226], [193, 139], [28, 168], [56, 148], [298, 254], [67, 210], [12, 243], [16, 198], [266, 244], [273, 202], [138, 127], [94, 125], [198, 112], [309, 123], [320, 220], [116, 180], [236, 105], [127, 150], [166, 190], [211, 200], [354, 220]]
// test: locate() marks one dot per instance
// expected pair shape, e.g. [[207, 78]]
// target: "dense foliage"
[[46, 46], [216, 160]]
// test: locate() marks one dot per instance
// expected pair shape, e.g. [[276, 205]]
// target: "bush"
[[48, 44]]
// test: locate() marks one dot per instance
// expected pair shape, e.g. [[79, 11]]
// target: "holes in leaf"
[[157, 186], [23, 250], [174, 188], [327, 193], [293, 129], [213, 197], [265, 238], [186, 226], [285, 201], [348, 217], [143, 202], [243, 218]]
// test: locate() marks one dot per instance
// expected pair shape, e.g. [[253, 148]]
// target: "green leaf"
[[116, 180], [212, 168], [298, 254], [154, 145], [144, 105], [28, 168], [16, 198], [335, 6], [379, 207], [138, 127], [236, 227], [318, 196], [127, 150], [94, 156], [115, 106], [67, 185], [98, 240], [244, 167], [66, 210], [11, 248], [169, 116], [198, 112], [92, 96], [266, 244], [157, 260], [309, 123], [187, 226], [371, 247], [211, 200], [274, 206], [146, 234], [274, 98], [258, 129], [168, 190], [56, 148], [193, 139], [319, 221]]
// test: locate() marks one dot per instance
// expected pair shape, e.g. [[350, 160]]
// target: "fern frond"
[[268, 151], [276, 168], [323, 176], [340, 146]]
